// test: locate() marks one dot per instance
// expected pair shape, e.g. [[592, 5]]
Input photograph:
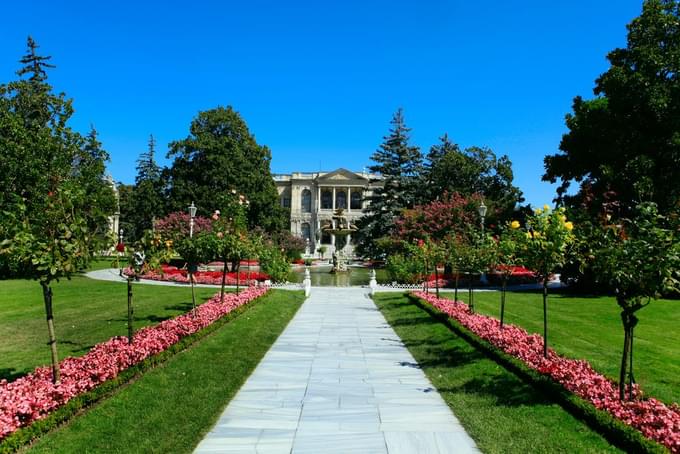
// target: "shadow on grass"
[[11, 373], [505, 390], [82, 348]]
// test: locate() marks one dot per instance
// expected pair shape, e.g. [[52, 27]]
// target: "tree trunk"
[[455, 291], [129, 310], [504, 287], [545, 317], [436, 280], [193, 294], [425, 286], [471, 301], [629, 321], [224, 279], [238, 277], [47, 297]]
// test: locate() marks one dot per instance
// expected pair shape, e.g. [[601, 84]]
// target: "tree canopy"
[[220, 155], [625, 143]]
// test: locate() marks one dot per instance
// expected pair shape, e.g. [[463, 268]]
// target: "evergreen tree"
[[147, 201], [220, 155], [432, 169], [400, 166], [90, 172]]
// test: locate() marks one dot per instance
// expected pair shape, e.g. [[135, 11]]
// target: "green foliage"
[[220, 155], [546, 241], [625, 143], [274, 263], [322, 250], [404, 269], [639, 258], [146, 202], [471, 171]]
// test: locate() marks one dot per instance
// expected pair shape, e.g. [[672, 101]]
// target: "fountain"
[[340, 227]]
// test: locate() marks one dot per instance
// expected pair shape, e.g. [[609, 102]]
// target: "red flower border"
[[650, 416]]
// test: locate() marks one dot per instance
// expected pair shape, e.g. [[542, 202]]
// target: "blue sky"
[[318, 81]]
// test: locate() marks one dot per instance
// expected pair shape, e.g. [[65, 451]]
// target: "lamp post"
[[192, 215], [482, 215], [120, 248]]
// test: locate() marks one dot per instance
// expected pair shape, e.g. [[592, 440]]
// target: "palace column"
[[318, 199], [333, 200], [349, 199]]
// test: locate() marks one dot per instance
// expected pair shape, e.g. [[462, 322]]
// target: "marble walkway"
[[338, 380]]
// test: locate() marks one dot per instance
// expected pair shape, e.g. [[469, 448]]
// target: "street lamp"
[[192, 215], [482, 214], [120, 248]]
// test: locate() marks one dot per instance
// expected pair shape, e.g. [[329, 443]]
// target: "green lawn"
[[590, 328], [85, 312], [170, 408], [502, 413]]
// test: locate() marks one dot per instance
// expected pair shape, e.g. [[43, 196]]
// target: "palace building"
[[313, 197]]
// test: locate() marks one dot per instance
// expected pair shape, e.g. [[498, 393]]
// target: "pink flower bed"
[[34, 396], [650, 416]]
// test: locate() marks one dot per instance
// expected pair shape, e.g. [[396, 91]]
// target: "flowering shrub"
[[34, 396], [650, 416], [175, 226]]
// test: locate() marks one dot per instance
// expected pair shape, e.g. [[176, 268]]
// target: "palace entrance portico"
[[313, 198]]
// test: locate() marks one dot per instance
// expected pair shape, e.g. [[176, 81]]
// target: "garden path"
[[339, 380]]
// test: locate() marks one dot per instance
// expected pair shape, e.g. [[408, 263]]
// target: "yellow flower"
[[538, 211], [569, 225], [546, 207], [168, 244], [528, 235], [514, 225]]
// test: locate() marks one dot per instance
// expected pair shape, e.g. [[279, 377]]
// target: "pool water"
[[322, 277]]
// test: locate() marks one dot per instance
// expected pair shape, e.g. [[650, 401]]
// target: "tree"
[[638, 258], [399, 165], [471, 171], [545, 249], [626, 141], [147, 197], [507, 254], [220, 154], [49, 174]]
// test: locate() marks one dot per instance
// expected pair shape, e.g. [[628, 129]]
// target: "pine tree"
[[147, 196], [400, 166], [432, 169]]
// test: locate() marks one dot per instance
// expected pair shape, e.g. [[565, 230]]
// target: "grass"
[[590, 328], [171, 408], [85, 312], [502, 413]]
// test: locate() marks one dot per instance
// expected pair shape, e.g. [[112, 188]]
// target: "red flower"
[[120, 247]]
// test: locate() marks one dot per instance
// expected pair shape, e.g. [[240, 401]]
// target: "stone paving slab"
[[338, 379]]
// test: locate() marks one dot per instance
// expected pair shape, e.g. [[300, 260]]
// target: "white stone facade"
[[313, 197]]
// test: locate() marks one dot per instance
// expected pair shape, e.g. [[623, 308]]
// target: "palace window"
[[341, 200], [285, 202], [355, 200], [306, 201], [306, 231], [326, 199]]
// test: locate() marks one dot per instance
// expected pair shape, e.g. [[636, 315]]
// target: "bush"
[[403, 269], [274, 263]]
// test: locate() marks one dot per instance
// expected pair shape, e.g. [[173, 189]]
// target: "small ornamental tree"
[[195, 250], [475, 258], [508, 258], [175, 226], [639, 259], [544, 249], [453, 250], [49, 246]]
